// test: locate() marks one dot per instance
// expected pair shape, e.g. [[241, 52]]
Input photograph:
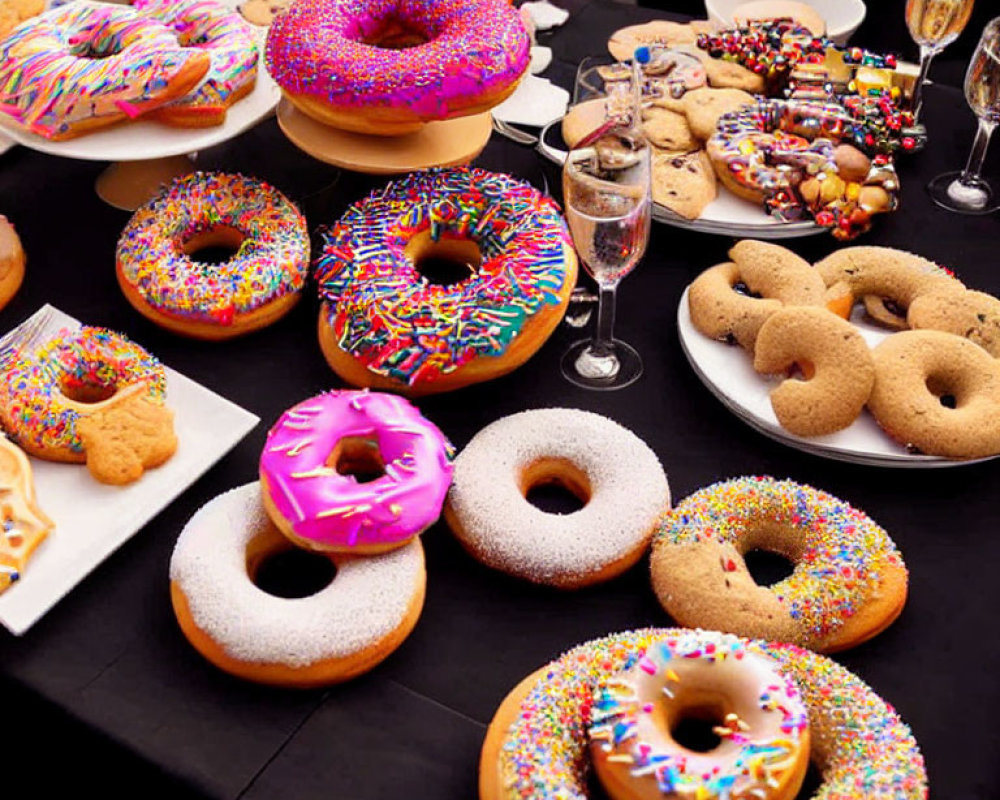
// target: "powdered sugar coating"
[[628, 490], [367, 600]]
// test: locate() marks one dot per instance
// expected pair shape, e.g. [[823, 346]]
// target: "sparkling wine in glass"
[[606, 189], [934, 24], [968, 192]]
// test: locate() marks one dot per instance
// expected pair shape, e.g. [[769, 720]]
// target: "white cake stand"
[[145, 154]]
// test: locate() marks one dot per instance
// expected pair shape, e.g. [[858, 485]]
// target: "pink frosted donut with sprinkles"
[[537, 744], [161, 276], [316, 453], [77, 373], [82, 67], [230, 41], [393, 318], [389, 66], [849, 582]]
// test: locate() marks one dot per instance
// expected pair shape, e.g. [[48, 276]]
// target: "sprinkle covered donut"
[[81, 67], [385, 325], [258, 285], [345, 629], [849, 581], [536, 745], [231, 43], [321, 508], [389, 66], [609, 468]]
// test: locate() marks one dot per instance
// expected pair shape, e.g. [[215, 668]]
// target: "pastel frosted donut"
[[763, 749], [343, 630], [12, 261], [938, 394], [609, 468], [75, 374], [230, 41], [537, 744], [385, 325], [974, 315], [387, 67], [320, 508], [258, 285], [130, 65], [836, 365], [848, 584]]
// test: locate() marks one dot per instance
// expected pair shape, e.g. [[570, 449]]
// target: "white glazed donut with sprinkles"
[[345, 629], [609, 468]]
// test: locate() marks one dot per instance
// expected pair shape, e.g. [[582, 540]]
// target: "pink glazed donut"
[[387, 67], [354, 472]]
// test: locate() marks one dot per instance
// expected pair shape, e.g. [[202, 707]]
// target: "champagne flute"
[[607, 194], [933, 24], [968, 192]]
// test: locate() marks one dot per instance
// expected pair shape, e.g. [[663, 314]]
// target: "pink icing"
[[334, 510], [317, 48]]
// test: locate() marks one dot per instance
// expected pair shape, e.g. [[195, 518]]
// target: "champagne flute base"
[[618, 366], [964, 193]]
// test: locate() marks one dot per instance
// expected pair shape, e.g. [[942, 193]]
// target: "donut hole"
[[282, 570], [88, 49], [770, 552], [692, 725], [216, 245], [767, 567], [741, 288], [802, 370], [87, 393], [445, 262], [943, 389], [391, 33], [359, 457], [555, 486]]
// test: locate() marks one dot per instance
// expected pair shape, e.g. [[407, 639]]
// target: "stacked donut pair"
[[313, 494], [82, 67]]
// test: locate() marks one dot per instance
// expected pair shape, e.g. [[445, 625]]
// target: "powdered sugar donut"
[[336, 634], [609, 468]]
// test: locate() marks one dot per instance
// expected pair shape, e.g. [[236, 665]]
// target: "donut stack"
[[313, 494], [386, 68]]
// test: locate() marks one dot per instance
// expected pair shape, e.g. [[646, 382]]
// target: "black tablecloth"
[[105, 687]]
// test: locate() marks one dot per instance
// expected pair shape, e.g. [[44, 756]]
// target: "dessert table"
[[105, 689]]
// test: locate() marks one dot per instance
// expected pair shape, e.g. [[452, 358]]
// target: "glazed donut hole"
[[359, 457], [555, 486], [448, 261], [278, 568], [215, 245]]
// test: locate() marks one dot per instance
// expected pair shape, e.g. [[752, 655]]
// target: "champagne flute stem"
[[974, 168], [926, 57], [605, 333]]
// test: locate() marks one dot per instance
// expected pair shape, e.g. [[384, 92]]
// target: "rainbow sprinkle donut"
[[383, 324], [389, 66], [849, 582], [73, 374], [537, 744], [52, 85], [230, 41], [257, 286]]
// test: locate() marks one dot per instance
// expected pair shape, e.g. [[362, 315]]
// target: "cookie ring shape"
[[536, 744], [343, 630], [604, 464], [849, 581]]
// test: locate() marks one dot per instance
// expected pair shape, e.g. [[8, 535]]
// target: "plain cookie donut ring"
[[536, 745], [938, 393], [973, 315], [608, 467], [849, 581], [340, 632]]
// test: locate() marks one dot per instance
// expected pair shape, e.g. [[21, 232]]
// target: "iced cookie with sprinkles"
[[354, 472], [85, 373], [442, 279], [387, 67], [849, 582], [337, 633], [161, 275], [610, 470], [537, 744], [25, 524]]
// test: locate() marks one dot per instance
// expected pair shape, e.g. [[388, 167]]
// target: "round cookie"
[[684, 182], [703, 107], [609, 468], [849, 582], [623, 43], [937, 393], [668, 130], [974, 315], [835, 362]]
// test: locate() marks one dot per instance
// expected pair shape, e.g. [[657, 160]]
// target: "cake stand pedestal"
[[437, 144]]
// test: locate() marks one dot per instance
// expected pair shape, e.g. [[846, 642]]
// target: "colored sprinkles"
[[859, 743], [389, 317], [272, 261]]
